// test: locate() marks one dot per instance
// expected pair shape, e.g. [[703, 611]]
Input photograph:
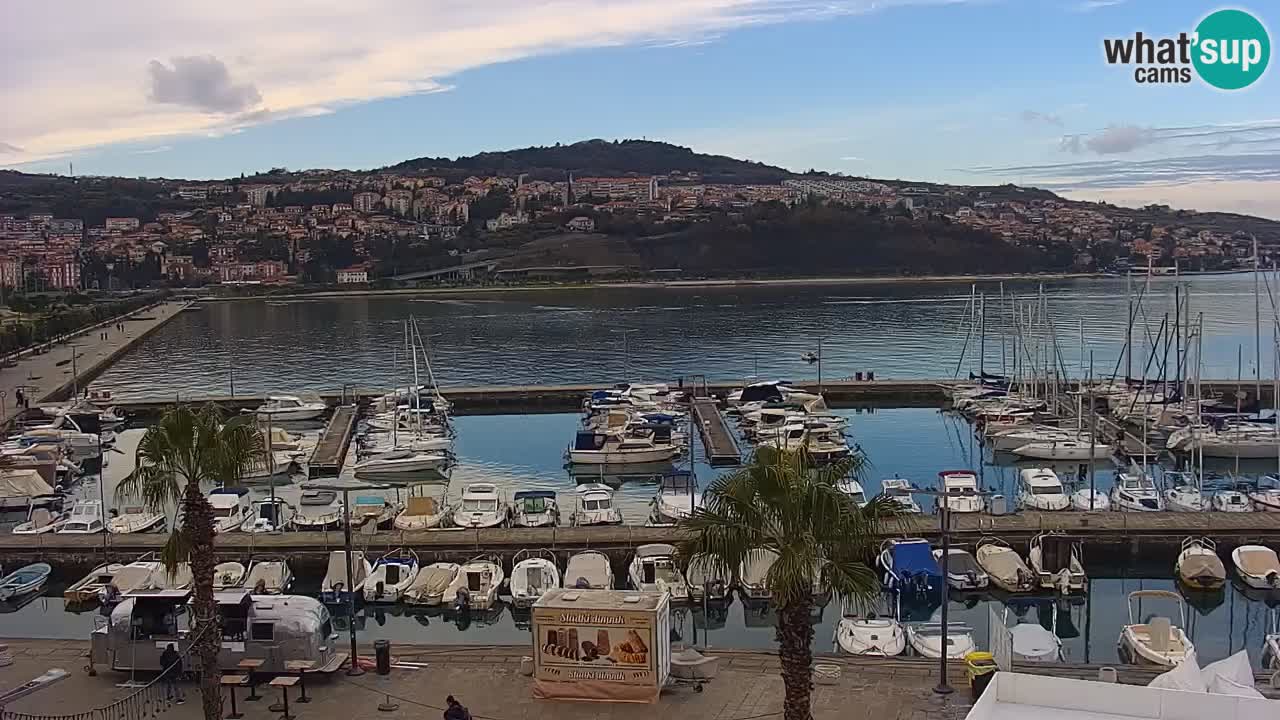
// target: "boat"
[[1157, 641], [594, 506], [1010, 439], [1070, 450], [269, 577], [21, 488], [853, 489], [1057, 560], [871, 635], [482, 506], [898, 489], [1032, 642], [677, 498], [708, 582], [40, 520], [146, 622], [284, 408], [231, 508], [532, 575], [135, 519], [179, 578], [227, 575], [271, 514], [24, 581], [1040, 489], [1198, 566], [589, 570], [85, 519], [596, 448], [1090, 500], [752, 576], [910, 567], [768, 391], [654, 569], [421, 513], [137, 575], [963, 572], [277, 464], [318, 510], [334, 589], [481, 578], [1182, 493], [534, 508], [927, 640], [86, 589], [1265, 493], [1135, 492], [372, 510], [1005, 567], [392, 574], [402, 460], [1257, 566], [433, 583], [1229, 500], [961, 488]]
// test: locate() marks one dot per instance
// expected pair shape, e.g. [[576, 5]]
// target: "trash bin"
[[981, 667], [382, 656], [998, 505]]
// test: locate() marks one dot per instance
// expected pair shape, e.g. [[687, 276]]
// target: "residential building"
[[122, 224], [366, 201], [353, 275], [582, 223]]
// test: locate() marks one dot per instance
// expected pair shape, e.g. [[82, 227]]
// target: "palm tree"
[[177, 458], [786, 504]]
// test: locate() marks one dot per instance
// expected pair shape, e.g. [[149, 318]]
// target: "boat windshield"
[[224, 511], [1046, 490], [474, 505], [535, 505], [601, 504]]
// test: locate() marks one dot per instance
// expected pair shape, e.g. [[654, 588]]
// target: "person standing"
[[456, 710], [171, 664]]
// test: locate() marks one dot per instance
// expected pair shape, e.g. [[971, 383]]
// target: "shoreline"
[[664, 285]]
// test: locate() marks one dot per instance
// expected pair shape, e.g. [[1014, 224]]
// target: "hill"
[[607, 158]]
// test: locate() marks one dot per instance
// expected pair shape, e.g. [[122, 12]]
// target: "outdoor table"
[[231, 682], [284, 682], [251, 665], [301, 667]]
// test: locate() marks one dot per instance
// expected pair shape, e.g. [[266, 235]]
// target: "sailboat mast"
[[982, 337], [1257, 327], [1128, 331]]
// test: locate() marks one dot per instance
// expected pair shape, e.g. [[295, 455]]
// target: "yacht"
[[531, 576], [1073, 450], [280, 408], [85, 519], [482, 506], [654, 569], [318, 510], [853, 490], [822, 442], [1040, 489], [402, 459], [1182, 493], [897, 489], [769, 391], [231, 508], [595, 448], [677, 498], [482, 579], [589, 570], [594, 506], [1057, 560], [1157, 641], [392, 575], [961, 488], [1013, 438], [422, 513], [270, 514], [1135, 492], [534, 508], [135, 519]]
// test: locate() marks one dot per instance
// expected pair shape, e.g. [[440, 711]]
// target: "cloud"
[[1033, 117], [153, 150], [1117, 139], [1120, 139], [1098, 174], [7, 149], [201, 82], [1091, 5], [852, 158], [205, 66]]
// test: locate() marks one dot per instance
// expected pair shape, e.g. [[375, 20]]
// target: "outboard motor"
[[380, 589], [462, 602], [1273, 579]]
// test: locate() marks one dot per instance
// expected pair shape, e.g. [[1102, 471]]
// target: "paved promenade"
[[45, 374]]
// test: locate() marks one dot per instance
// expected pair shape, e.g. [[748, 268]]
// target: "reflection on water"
[[904, 330]]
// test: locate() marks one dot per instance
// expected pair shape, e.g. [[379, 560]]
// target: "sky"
[[958, 91]]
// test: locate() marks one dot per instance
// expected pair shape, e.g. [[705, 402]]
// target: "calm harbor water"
[[898, 330]]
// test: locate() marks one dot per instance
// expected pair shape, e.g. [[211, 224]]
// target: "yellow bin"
[[980, 666]]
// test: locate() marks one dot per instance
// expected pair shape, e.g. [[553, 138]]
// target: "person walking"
[[456, 710], [171, 664]]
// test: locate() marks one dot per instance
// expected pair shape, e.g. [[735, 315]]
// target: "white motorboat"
[[318, 510], [853, 489], [283, 408], [334, 589], [1243, 440], [231, 508], [1230, 500], [1013, 438], [709, 582], [1075, 450], [482, 506], [927, 640], [768, 391], [1090, 500], [372, 510], [822, 442], [1005, 566], [86, 589], [482, 578], [78, 444], [179, 578], [1265, 494], [392, 574], [1182, 493], [1258, 566], [752, 576], [594, 448], [85, 519], [276, 464], [432, 584], [963, 571], [872, 636], [1135, 492], [909, 567], [961, 488], [112, 585], [897, 489], [1057, 560], [422, 513], [269, 577], [1033, 642], [531, 576], [40, 520], [1271, 651], [402, 460], [535, 508], [227, 575], [270, 514], [135, 519], [677, 498], [654, 569], [594, 506], [589, 570], [24, 581], [1157, 641], [1040, 489], [1198, 566]]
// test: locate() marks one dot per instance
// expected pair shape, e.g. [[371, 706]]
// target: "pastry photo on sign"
[[596, 646]]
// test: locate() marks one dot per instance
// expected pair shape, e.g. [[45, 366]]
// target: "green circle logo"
[[1232, 49]]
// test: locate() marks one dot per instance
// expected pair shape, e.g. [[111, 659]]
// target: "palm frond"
[[176, 551]]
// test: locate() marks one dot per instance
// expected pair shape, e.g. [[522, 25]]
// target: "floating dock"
[[717, 441], [331, 452]]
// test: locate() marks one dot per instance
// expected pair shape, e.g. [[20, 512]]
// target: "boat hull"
[[603, 457]]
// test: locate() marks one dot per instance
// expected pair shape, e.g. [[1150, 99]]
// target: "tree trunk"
[[205, 623], [795, 649]]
